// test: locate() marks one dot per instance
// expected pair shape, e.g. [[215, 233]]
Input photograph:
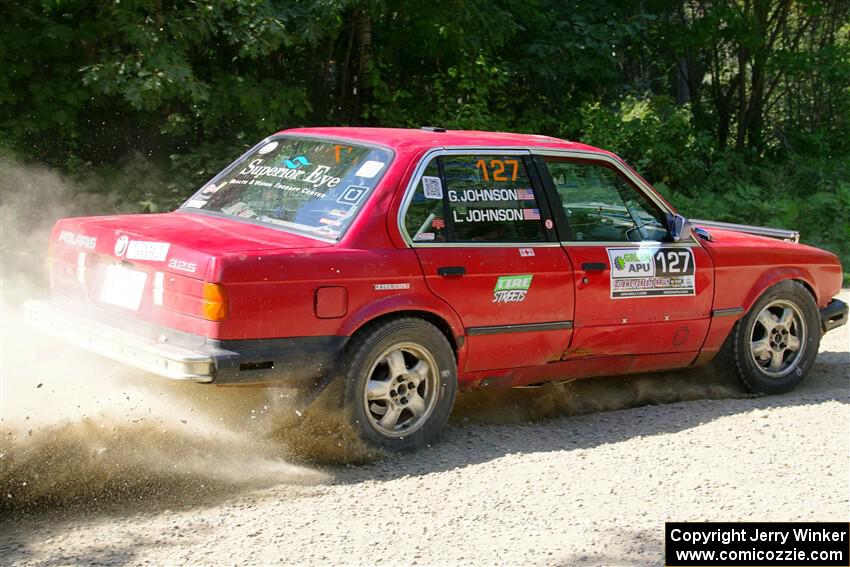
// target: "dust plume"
[[81, 431], [595, 394]]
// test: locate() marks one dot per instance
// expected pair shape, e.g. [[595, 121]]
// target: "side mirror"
[[679, 227]]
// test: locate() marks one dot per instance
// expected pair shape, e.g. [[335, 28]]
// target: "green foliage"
[[738, 111]]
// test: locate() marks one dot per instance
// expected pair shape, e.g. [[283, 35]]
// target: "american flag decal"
[[525, 194], [531, 214]]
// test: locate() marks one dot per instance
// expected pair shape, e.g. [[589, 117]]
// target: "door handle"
[[446, 271], [594, 266]]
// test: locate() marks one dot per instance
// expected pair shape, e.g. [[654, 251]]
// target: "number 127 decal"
[[651, 272]]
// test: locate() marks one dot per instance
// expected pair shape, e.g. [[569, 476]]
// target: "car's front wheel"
[[401, 381], [775, 344]]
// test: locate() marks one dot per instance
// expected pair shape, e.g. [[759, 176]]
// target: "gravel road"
[[546, 477]]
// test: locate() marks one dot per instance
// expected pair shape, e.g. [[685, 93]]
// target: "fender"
[[410, 302], [775, 275], [414, 301]]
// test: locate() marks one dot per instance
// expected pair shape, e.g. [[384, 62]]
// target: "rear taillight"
[[215, 302], [197, 298]]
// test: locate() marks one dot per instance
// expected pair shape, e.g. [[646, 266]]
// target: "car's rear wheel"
[[775, 344], [401, 381]]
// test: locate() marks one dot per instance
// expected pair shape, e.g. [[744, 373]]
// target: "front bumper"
[[299, 361], [833, 315]]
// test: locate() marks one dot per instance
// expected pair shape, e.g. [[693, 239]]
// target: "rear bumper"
[[833, 315], [298, 361]]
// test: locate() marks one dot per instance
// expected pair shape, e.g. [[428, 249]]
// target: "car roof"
[[410, 138]]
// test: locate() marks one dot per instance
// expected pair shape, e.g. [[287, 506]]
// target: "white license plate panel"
[[123, 287]]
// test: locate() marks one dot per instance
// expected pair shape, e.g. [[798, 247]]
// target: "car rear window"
[[301, 184]]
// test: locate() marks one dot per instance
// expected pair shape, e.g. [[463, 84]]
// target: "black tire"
[[760, 350], [419, 395]]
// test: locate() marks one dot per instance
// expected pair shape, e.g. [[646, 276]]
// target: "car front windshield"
[[300, 184]]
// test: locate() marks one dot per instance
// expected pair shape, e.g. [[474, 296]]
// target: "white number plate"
[[123, 287]]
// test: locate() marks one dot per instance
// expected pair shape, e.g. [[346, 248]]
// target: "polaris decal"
[[652, 272], [79, 240]]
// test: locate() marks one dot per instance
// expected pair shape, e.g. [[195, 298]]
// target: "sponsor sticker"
[[438, 224], [340, 150], [295, 162], [512, 289], [652, 272], [143, 250], [287, 169], [270, 147], [352, 195], [340, 212], [422, 236], [432, 187], [324, 229], [370, 169], [78, 240], [391, 286], [196, 203]]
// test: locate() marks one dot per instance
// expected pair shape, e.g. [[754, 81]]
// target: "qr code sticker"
[[433, 187]]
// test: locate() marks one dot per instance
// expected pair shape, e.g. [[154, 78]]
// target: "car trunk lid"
[[158, 268]]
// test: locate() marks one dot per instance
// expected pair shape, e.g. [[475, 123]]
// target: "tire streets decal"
[[511, 289], [651, 272]]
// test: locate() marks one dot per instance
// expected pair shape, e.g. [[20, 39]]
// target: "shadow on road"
[[485, 426]]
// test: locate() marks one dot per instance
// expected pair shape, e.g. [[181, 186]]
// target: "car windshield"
[[301, 184]]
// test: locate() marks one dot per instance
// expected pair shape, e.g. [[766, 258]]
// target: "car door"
[[484, 237], [637, 291]]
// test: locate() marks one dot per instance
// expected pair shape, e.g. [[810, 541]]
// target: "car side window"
[[490, 199], [474, 198], [601, 205], [425, 217]]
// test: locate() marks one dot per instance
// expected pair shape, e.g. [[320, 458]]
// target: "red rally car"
[[411, 263]]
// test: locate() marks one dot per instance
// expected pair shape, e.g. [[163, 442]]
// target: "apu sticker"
[[432, 187], [651, 272], [370, 169], [352, 195], [511, 289]]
